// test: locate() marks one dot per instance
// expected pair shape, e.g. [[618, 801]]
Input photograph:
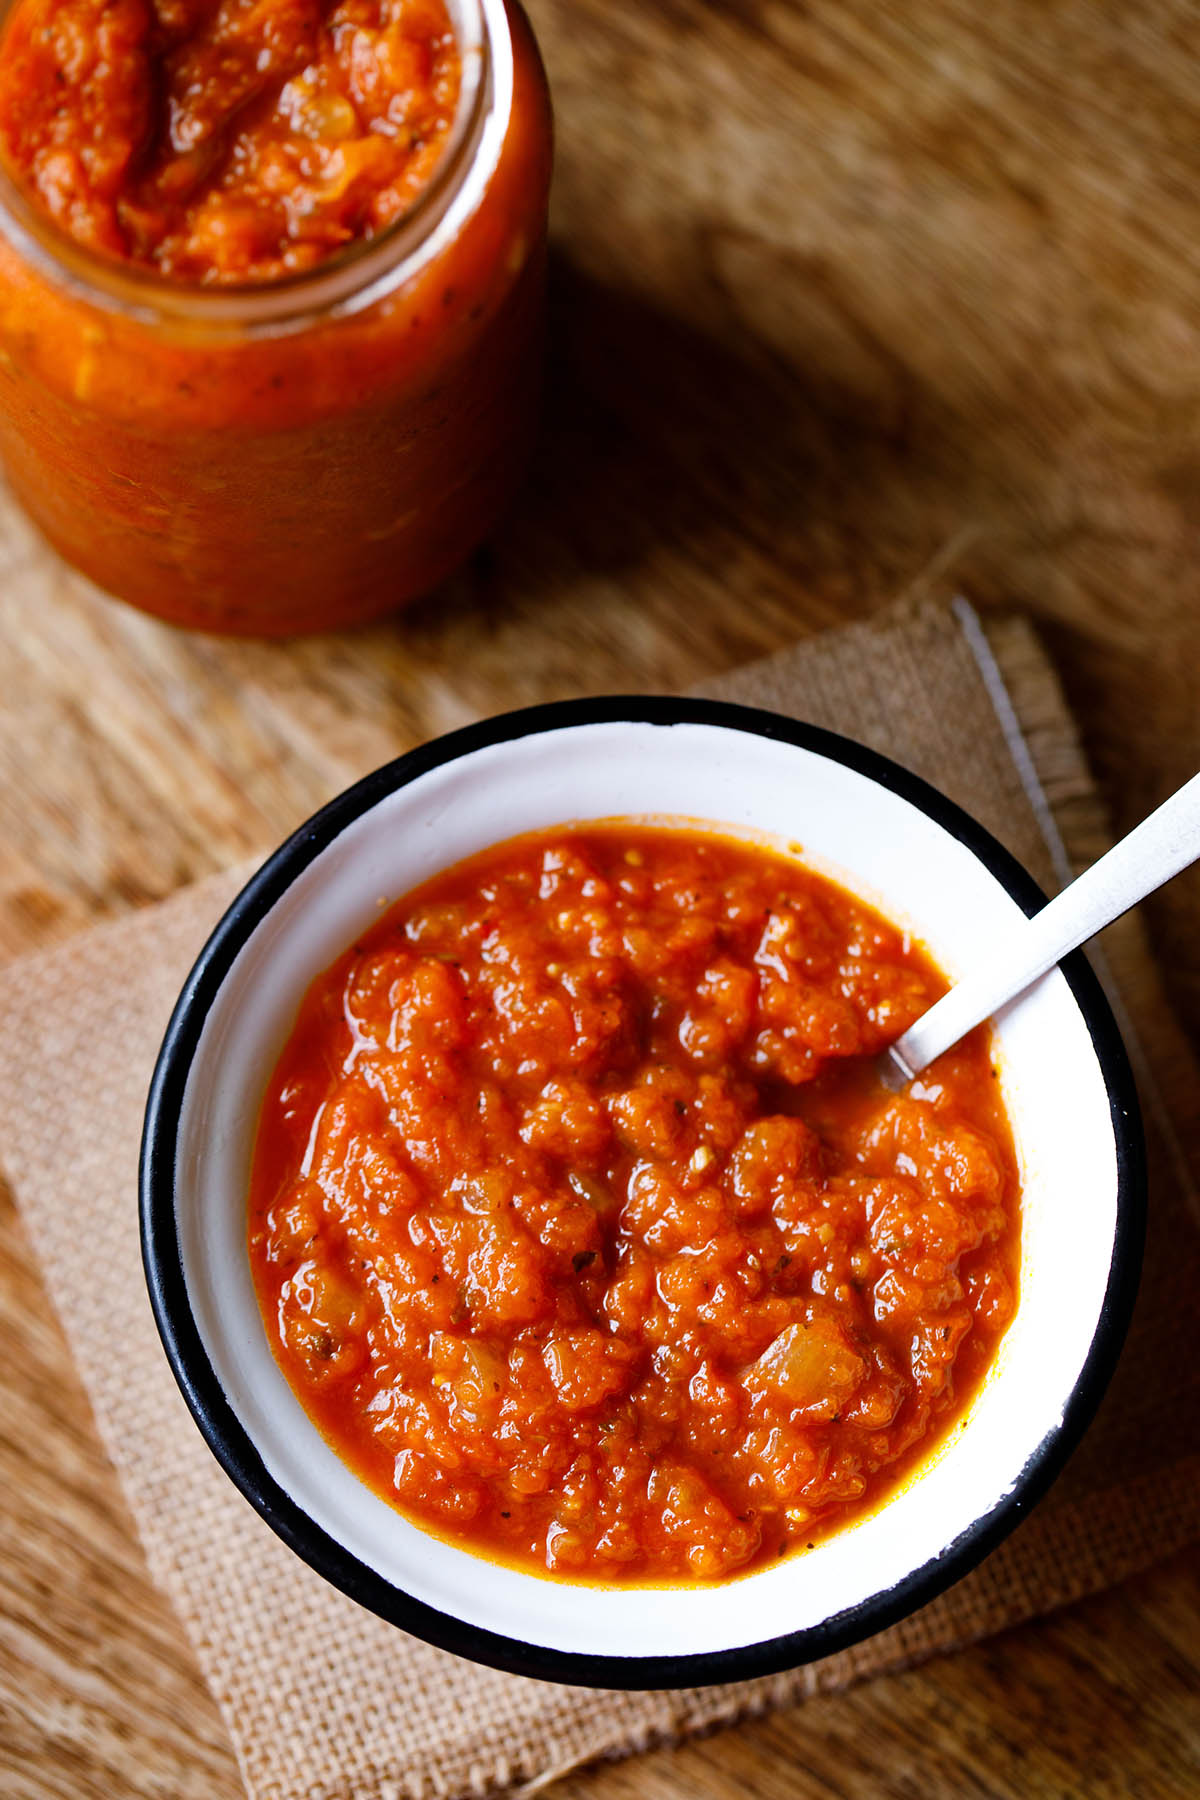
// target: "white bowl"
[[883, 834]]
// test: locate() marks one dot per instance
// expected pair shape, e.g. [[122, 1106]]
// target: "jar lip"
[[346, 283]]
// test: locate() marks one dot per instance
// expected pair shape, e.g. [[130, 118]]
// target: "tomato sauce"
[[271, 321], [234, 141], [586, 1236]]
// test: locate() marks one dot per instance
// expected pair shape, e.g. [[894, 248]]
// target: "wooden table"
[[847, 299]]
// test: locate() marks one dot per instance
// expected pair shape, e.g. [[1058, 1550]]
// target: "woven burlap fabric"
[[323, 1701]]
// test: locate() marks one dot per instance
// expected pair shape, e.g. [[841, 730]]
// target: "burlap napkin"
[[326, 1703]]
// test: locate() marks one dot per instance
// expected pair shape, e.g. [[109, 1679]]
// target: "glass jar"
[[311, 453]]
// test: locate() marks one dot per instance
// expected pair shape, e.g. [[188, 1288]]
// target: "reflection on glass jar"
[[311, 451]]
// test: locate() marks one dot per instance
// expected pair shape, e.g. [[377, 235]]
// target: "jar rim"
[[348, 282]]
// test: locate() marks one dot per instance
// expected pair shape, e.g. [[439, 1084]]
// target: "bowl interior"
[[880, 846]]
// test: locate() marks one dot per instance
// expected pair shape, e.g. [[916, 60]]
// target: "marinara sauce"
[[271, 280], [221, 140], [583, 1231]]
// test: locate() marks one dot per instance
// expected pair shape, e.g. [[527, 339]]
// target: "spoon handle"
[[1153, 852]]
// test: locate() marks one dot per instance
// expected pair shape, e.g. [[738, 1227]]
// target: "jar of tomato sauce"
[[269, 434]]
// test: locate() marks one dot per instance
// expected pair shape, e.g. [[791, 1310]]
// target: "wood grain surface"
[[846, 299]]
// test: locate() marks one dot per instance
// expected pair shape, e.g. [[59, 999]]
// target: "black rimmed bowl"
[[884, 835]]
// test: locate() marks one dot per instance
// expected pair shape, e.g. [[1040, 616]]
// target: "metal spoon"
[[1153, 852]]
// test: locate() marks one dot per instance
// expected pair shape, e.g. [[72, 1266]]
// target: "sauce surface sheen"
[[219, 141], [585, 1239]]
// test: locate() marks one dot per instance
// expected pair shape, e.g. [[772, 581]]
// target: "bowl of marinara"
[[534, 1247]]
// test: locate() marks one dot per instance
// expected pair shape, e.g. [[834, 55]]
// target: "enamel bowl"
[[881, 833]]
